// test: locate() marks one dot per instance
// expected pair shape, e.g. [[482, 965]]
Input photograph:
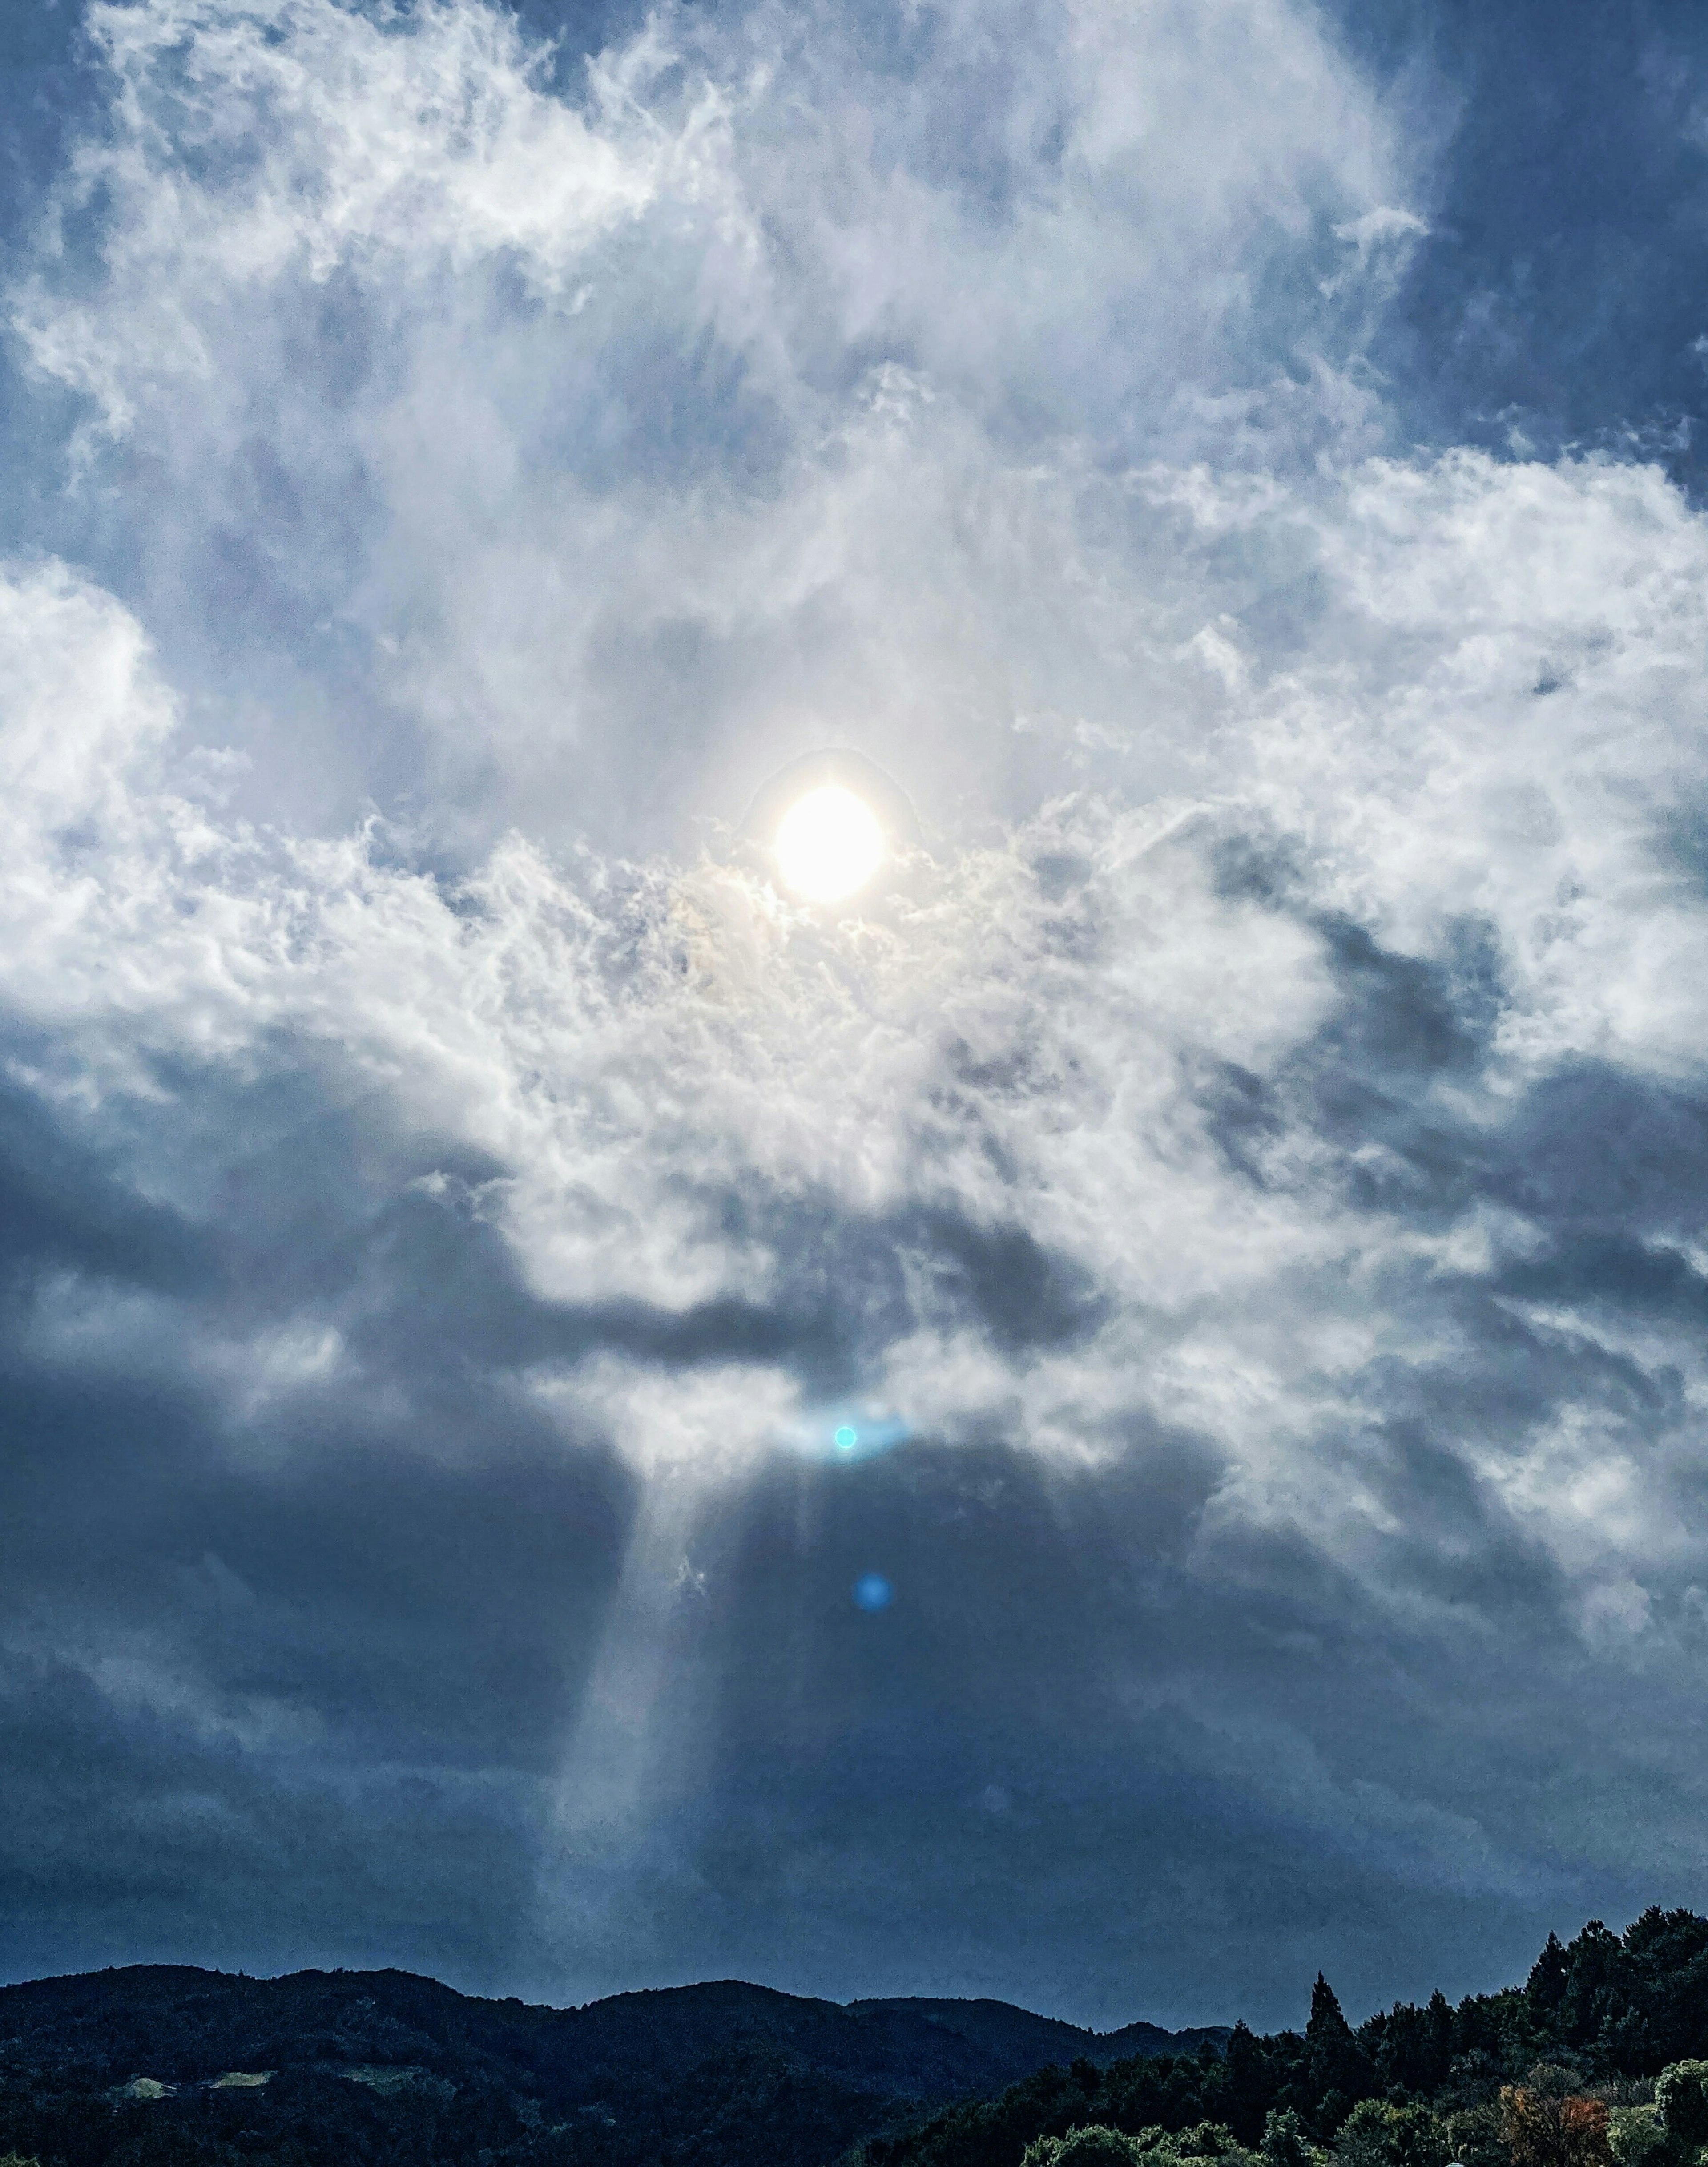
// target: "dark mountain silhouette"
[[383, 2066], [1039, 2040]]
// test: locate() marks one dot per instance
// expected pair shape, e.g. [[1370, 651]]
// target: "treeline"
[[1599, 2019]]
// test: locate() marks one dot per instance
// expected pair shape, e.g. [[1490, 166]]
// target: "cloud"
[[1235, 1176], [751, 331]]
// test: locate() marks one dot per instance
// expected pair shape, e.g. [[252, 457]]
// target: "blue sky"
[[1231, 471]]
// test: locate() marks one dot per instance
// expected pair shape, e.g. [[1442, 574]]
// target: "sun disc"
[[829, 843]]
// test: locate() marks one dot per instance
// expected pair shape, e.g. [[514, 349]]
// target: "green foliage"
[[1472, 2135], [1681, 2102], [1377, 2133], [1187, 2148], [1093, 2146], [1285, 2143], [1362, 2140], [1637, 2137]]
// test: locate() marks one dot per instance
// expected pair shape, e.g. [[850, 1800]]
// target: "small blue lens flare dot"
[[847, 1437], [872, 1592]]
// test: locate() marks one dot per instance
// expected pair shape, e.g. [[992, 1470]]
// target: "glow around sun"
[[829, 843]]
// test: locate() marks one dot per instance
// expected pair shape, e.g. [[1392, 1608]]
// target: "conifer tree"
[[1337, 2062]]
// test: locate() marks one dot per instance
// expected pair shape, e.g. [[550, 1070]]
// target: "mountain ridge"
[[1003, 2030], [396, 2065]]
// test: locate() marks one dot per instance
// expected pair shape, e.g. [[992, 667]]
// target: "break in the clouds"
[[1241, 1179]]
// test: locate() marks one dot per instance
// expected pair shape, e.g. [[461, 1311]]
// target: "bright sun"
[[828, 844]]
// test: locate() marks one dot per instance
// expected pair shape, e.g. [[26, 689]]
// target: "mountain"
[[385, 2067], [1017, 2035]]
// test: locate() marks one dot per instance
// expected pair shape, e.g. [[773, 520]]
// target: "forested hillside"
[[1574, 2052], [170, 2065]]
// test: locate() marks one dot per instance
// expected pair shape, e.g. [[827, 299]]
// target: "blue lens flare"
[[873, 1592], [851, 1434]]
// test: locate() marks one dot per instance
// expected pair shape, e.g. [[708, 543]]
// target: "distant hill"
[[1017, 2035], [383, 2067]]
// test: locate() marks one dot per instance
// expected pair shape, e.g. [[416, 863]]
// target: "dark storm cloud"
[[351, 1629], [1079, 1718], [62, 1208], [129, 1828], [1399, 1026], [343, 1644], [1591, 1148], [291, 1689]]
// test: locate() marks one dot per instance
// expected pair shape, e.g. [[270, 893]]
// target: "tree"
[[1285, 2143], [1438, 2022], [1376, 2134], [1681, 2101], [1638, 2138], [1248, 2083], [1337, 2062], [1544, 2126], [1411, 2047], [1094, 2146], [1595, 1985], [1666, 1955], [1473, 2136], [1546, 1987], [1363, 2139]]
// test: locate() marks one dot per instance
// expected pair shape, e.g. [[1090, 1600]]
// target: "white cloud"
[[549, 466], [676, 508], [637, 1043]]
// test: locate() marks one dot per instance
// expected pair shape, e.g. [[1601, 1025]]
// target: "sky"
[[1232, 470]]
